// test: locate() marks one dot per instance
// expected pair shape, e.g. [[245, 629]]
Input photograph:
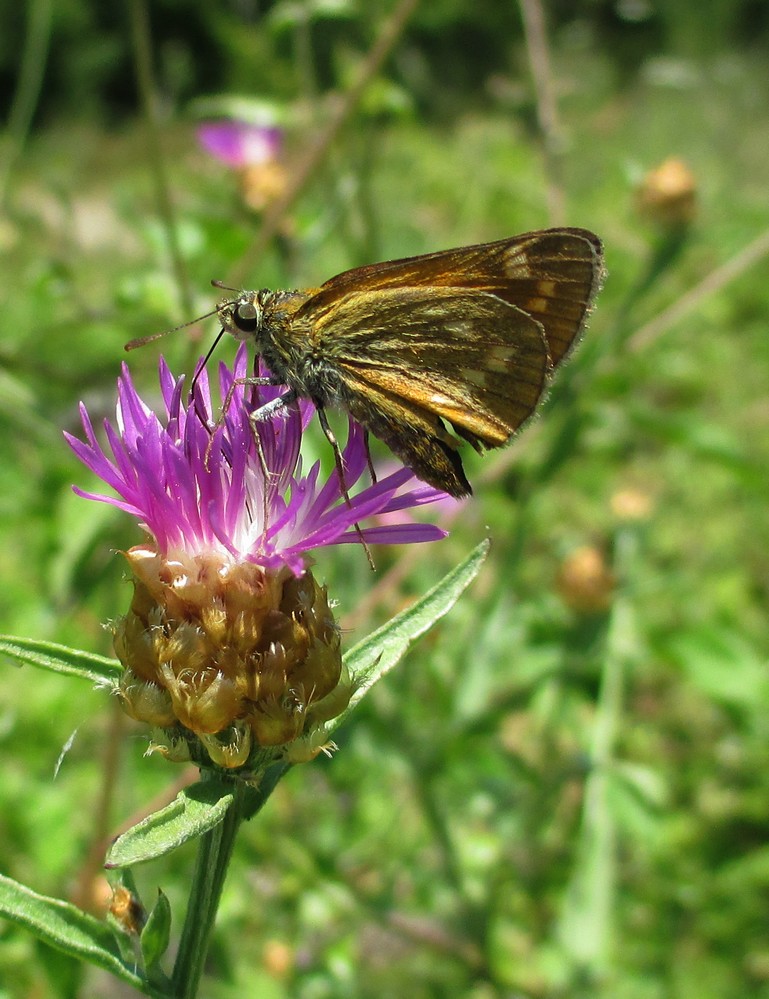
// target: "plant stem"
[[142, 45], [214, 854], [535, 34], [316, 152], [713, 282], [34, 59]]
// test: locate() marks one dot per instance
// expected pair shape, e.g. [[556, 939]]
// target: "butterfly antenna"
[[141, 341], [224, 287], [206, 359]]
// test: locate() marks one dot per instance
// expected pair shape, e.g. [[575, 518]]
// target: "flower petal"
[[198, 482]]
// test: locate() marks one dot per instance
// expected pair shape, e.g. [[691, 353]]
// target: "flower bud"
[[631, 505], [668, 195], [585, 581]]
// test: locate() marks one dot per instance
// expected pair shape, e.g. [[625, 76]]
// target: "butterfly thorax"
[[273, 323]]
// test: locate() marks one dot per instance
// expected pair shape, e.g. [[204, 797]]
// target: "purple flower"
[[230, 648], [240, 144], [198, 487]]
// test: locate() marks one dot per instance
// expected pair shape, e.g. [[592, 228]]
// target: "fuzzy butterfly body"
[[465, 339]]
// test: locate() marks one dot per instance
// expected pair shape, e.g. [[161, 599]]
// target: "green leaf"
[[193, 812], [376, 655], [245, 109], [64, 973], [61, 659], [722, 664], [156, 934], [66, 928], [200, 807]]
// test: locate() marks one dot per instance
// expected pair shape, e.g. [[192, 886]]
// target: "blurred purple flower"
[[198, 495], [240, 144]]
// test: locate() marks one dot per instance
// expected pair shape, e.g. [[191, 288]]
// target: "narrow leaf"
[[193, 812], [376, 655], [156, 934], [66, 928], [61, 659]]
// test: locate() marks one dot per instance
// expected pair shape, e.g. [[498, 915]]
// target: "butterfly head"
[[242, 317]]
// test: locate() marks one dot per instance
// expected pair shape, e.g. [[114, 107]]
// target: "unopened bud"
[[585, 581], [668, 195]]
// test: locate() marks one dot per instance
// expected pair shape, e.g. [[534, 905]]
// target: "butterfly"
[[461, 340]]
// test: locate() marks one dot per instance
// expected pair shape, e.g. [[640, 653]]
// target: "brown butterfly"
[[464, 338]]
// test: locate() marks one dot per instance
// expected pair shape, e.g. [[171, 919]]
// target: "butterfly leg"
[[339, 461], [369, 462], [269, 409], [253, 380], [261, 415]]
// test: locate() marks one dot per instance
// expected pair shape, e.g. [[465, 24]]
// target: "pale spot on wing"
[[436, 312], [517, 265], [474, 377], [536, 305], [546, 288], [499, 358], [458, 326]]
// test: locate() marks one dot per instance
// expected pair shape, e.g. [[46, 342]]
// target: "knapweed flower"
[[253, 151], [230, 647], [240, 144]]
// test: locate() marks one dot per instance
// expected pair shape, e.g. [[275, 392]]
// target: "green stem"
[[587, 922], [214, 854], [307, 168], [439, 828], [142, 45], [34, 59]]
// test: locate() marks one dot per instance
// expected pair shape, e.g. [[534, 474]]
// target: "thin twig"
[[428, 931], [535, 34], [713, 282], [34, 59], [93, 867], [318, 149], [142, 46]]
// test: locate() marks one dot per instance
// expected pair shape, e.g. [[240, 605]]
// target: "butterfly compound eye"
[[245, 317]]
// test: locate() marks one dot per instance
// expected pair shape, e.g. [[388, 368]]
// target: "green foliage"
[[60, 659], [156, 934], [451, 50], [64, 927], [544, 799], [193, 812], [198, 810]]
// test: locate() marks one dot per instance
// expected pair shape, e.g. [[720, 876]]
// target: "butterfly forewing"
[[553, 274]]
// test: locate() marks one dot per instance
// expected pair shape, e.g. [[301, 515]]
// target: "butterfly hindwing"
[[408, 358]]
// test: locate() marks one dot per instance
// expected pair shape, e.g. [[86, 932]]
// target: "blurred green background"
[[564, 791]]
